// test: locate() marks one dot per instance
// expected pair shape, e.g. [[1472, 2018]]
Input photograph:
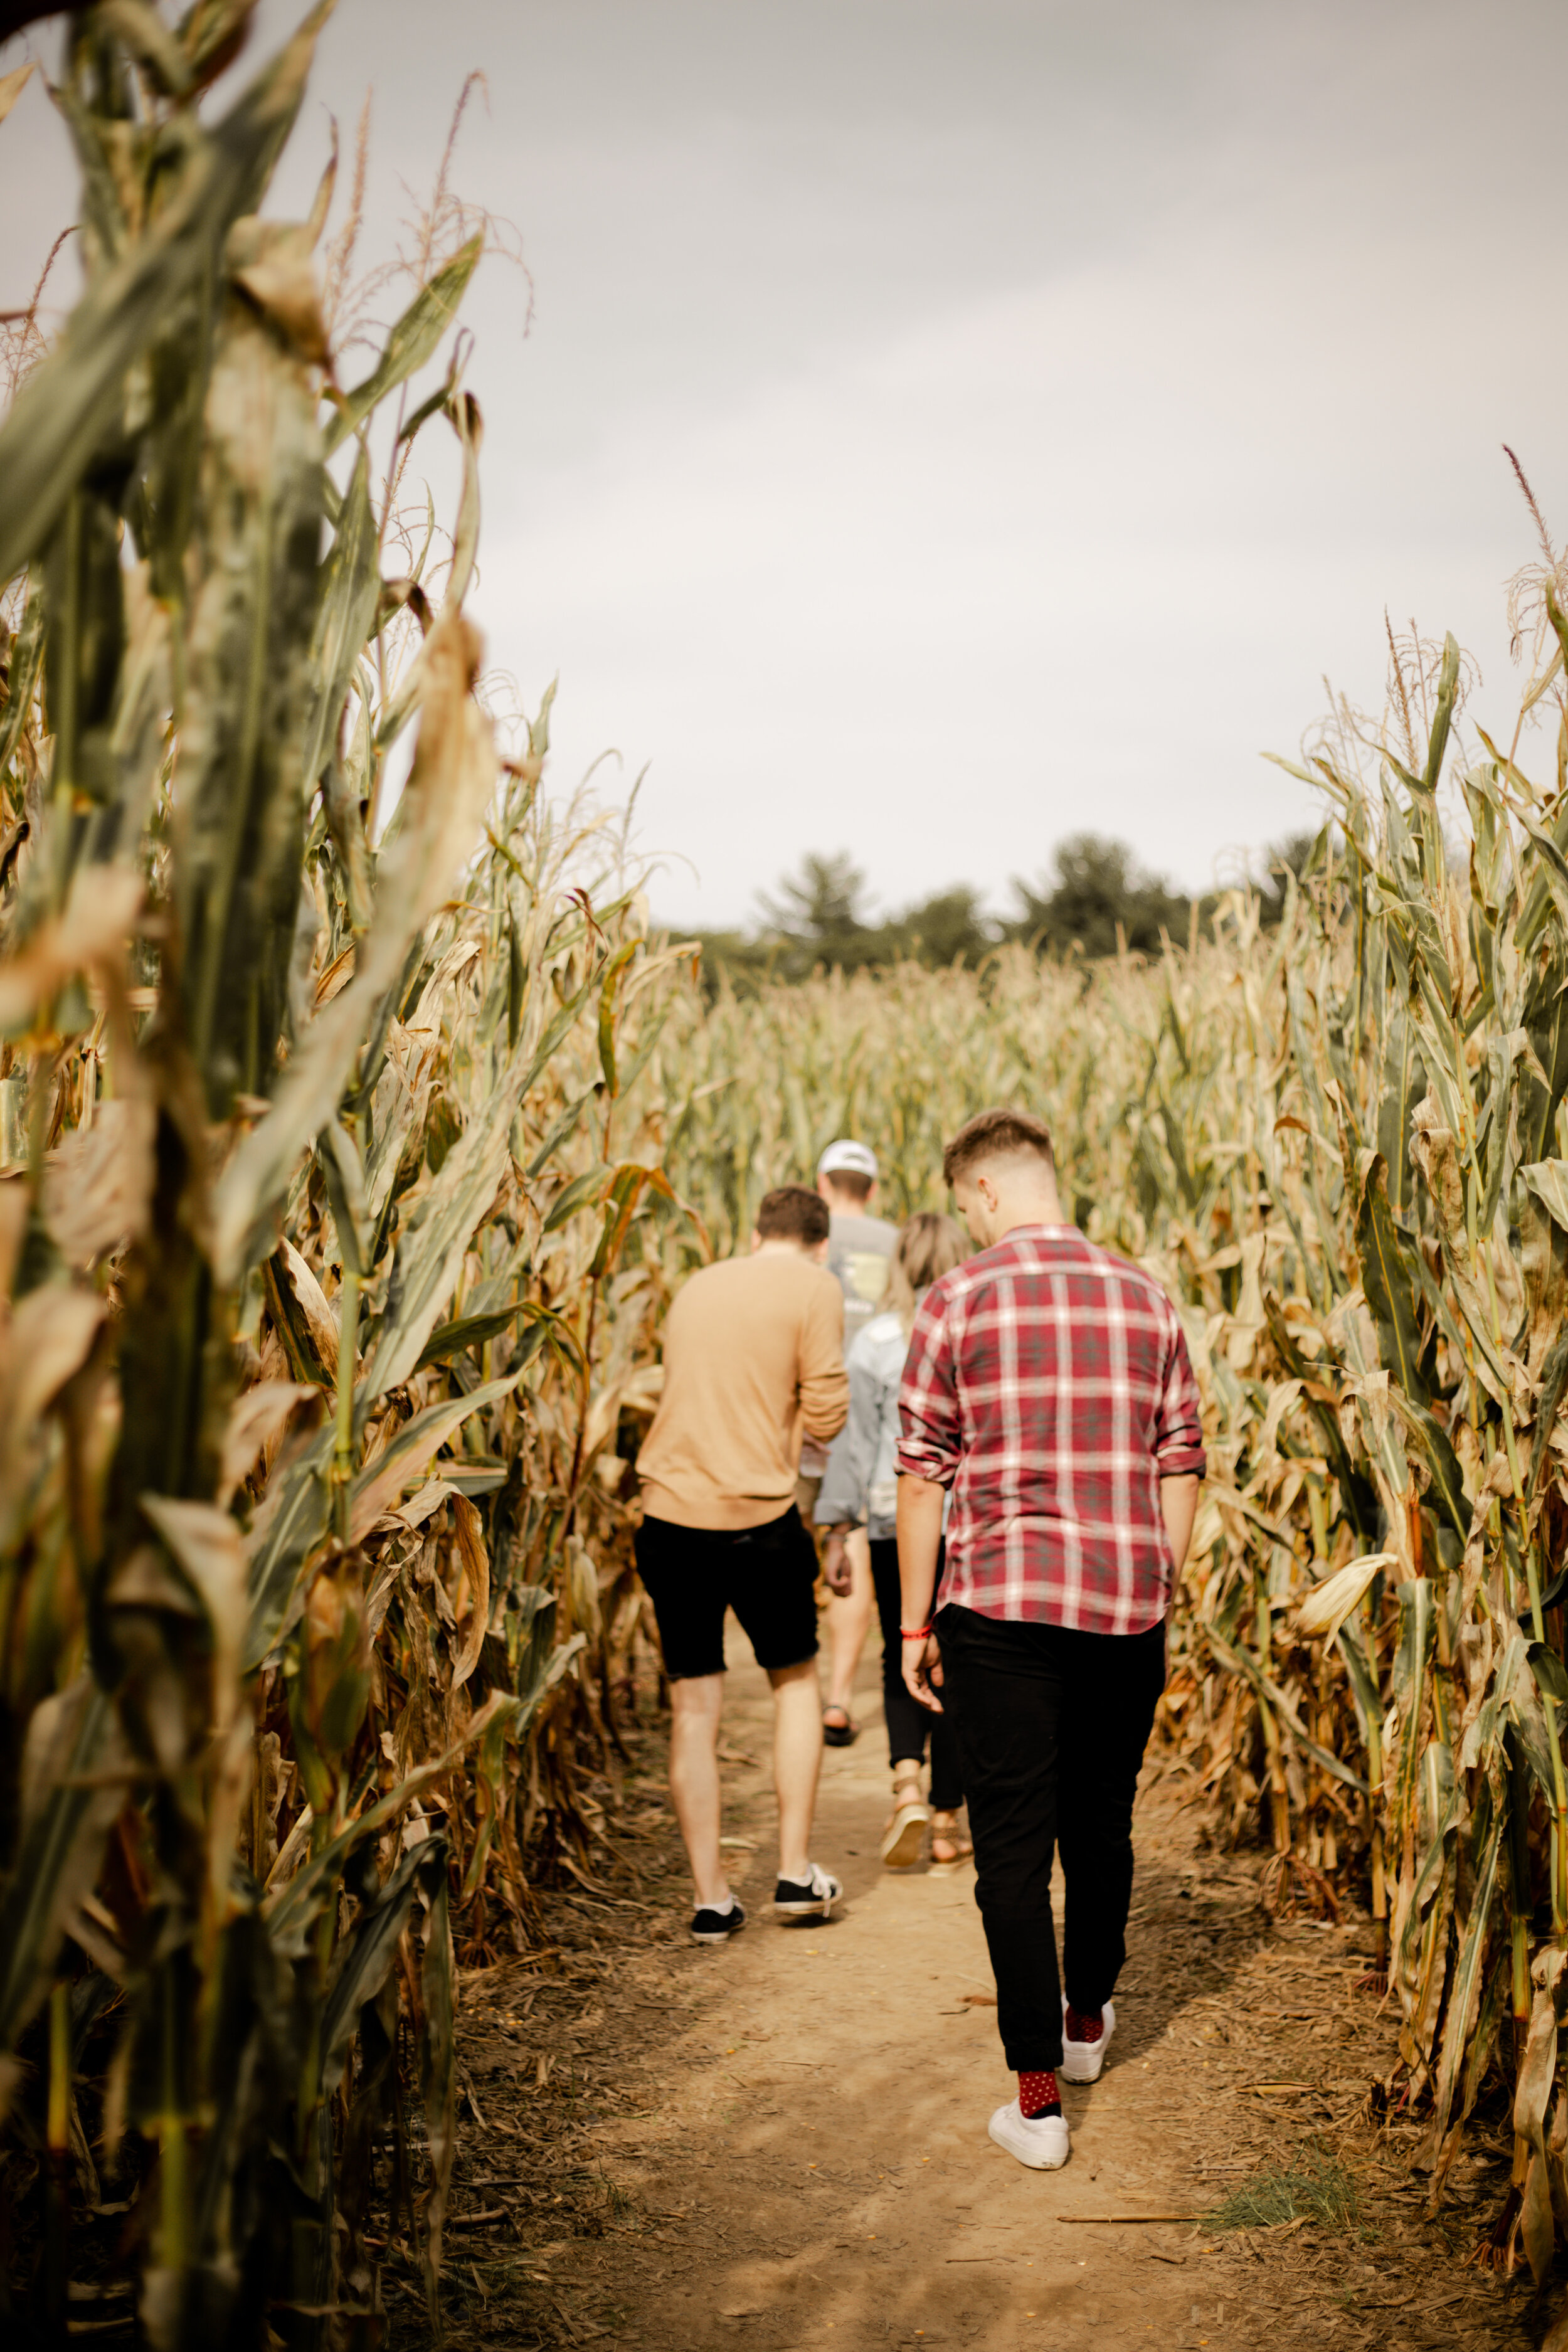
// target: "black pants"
[[1051, 1730], [908, 1721]]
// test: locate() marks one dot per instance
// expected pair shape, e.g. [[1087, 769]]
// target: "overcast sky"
[[948, 423]]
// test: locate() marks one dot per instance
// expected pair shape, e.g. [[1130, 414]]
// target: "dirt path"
[[783, 2144]]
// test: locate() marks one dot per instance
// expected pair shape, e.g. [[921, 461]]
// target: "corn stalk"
[[323, 1295]]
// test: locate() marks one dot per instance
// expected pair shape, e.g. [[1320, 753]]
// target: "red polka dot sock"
[[1081, 2026], [1038, 2094]]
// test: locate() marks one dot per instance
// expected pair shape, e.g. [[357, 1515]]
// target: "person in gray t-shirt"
[[859, 1250]]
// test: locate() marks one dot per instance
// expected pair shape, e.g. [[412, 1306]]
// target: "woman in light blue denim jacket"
[[860, 1489]]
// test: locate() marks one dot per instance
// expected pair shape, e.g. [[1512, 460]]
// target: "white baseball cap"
[[850, 1157]]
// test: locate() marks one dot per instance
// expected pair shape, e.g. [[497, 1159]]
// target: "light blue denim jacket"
[[861, 1481]]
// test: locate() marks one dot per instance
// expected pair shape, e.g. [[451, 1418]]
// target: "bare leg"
[[797, 1759], [849, 1621], [694, 1703]]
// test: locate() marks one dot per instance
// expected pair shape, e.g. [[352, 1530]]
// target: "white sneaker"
[[1042, 2142], [1082, 2061]]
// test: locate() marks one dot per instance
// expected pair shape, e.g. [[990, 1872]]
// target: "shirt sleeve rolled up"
[[930, 1425], [1179, 1430]]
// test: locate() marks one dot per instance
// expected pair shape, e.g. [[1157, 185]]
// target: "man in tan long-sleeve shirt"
[[754, 1362]]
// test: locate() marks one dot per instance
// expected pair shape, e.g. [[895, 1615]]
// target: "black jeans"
[[908, 1721], [1051, 1730]]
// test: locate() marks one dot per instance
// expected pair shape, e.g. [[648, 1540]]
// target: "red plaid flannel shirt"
[[1049, 1385]]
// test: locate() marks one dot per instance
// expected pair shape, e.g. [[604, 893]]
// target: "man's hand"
[[836, 1566], [923, 1671]]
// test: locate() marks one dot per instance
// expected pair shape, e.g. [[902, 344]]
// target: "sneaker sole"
[[708, 1935], [1030, 2163], [814, 1910]]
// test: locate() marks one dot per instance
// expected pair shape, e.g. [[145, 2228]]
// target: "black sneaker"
[[710, 1927], [801, 1898]]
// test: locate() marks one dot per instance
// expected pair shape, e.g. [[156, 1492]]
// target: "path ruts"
[[782, 2144]]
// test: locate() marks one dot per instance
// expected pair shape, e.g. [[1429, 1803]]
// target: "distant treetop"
[[819, 916]]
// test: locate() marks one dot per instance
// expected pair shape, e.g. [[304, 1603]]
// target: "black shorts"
[[767, 1575]]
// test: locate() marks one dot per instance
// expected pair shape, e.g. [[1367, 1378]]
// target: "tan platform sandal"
[[905, 1834]]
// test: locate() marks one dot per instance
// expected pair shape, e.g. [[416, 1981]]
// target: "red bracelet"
[[920, 1634]]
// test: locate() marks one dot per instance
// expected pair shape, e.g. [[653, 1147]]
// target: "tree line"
[[1094, 900]]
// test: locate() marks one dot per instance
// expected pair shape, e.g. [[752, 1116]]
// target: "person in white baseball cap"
[[859, 1251]]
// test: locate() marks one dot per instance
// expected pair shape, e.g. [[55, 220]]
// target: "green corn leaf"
[[367, 1952], [1405, 1083], [612, 974], [345, 616], [564, 1128], [515, 984], [239, 817], [1550, 1674], [290, 1523], [433, 404], [433, 1246], [412, 341], [1464, 1991], [1437, 1450], [1368, 1700], [377, 1488], [1448, 694], [1548, 1179], [292, 1911], [1418, 1633], [343, 1171], [1389, 1282], [473, 1330], [453, 774], [584, 1191], [1360, 1496], [1536, 1739], [70, 404]]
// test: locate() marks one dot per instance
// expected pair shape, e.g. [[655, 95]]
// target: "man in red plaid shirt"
[[1048, 1391]]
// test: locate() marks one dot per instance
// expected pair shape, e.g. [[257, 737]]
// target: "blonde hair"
[[928, 1246]]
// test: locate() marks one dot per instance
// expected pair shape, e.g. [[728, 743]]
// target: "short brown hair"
[[853, 1183], [997, 1135], [794, 1214]]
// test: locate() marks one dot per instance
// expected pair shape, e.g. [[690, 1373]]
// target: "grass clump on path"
[[1313, 2187]]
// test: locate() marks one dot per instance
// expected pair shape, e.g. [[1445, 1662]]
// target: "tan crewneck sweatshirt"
[[753, 1360]]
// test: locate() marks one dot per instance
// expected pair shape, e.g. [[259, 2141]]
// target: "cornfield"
[[321, 1165], [352, 1135], [1341, 1145]]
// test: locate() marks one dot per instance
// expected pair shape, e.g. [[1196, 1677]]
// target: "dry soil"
[[782, 2144]]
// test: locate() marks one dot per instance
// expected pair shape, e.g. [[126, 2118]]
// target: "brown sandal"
[[944, 1833]]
